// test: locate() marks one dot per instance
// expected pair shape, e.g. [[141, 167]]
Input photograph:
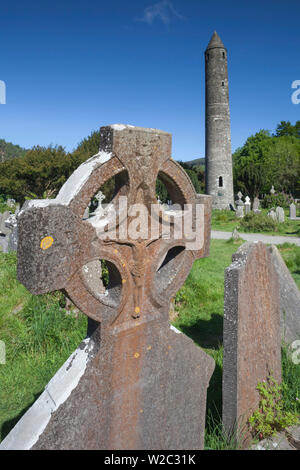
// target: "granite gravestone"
[[252, 338], [146, 386], [280, 214]]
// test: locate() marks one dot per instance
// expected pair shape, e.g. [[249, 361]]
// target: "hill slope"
[[9, 150]]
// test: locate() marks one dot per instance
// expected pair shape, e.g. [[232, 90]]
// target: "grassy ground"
[[226, 221], [200, 305], [39, 335]]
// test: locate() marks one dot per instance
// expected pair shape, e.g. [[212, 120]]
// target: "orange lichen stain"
[[116, 251], [136, 355], [123, 281], [46, 242], [123, 265], [169, 347], [137, 309]]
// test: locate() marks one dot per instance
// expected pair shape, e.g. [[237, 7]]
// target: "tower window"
[[222, 83], [223, 53], [220, 181]]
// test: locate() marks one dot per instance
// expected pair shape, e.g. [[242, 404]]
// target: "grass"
[[291, 256], [40, 336], [226, 221], [200, 305]]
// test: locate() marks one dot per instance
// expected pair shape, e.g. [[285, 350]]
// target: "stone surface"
[[247, 205], [289, 439], [292, 211], [280, 214], [252, 340], [256, 205], [4, 230], [272, 214], [146, 387], [218, 159], [289, 299]]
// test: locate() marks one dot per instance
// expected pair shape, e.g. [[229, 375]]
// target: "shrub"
[[258, 222], [270, 416], [277, 199]]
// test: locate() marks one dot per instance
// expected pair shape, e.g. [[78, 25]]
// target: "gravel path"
[[251, 237]]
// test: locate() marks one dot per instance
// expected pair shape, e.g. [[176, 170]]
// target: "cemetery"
[[147, 303]]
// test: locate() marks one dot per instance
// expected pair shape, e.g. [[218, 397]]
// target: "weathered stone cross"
[[146, 387]]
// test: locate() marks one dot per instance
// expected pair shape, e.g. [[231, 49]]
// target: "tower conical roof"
[[215, 41]]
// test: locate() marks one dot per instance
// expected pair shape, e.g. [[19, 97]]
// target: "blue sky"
[[73, 66]]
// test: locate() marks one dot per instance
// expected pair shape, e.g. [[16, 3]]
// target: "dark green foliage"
[[196, 174], [40, 173], [8, 151], [161, 191], [286, 128], [258, 222], [266, 160], [277, 199]]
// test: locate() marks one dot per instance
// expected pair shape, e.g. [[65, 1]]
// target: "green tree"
[[40, 173], [285, 128], [251, 169]]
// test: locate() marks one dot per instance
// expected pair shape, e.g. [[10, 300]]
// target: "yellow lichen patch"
[[123, 281], [137, 309], [149, 347], [46, 242], [136, 355]]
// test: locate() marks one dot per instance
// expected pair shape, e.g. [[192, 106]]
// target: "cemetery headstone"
[[280, 214], [272, 214], [12, 224], [4, 230], [289, 299], [239, 205], [292, 211], [252, 339], [247, 205], [256, 205], [146, 386]]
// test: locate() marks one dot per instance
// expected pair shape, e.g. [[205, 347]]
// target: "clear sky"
[[73, 66]]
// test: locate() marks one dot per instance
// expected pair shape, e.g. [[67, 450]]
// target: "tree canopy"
[[266, 160]]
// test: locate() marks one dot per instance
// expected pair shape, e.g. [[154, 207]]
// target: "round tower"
[[218, 159]]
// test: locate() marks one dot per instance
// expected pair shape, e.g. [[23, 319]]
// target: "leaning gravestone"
[[289, 299], [146, 386], [252, 339]]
